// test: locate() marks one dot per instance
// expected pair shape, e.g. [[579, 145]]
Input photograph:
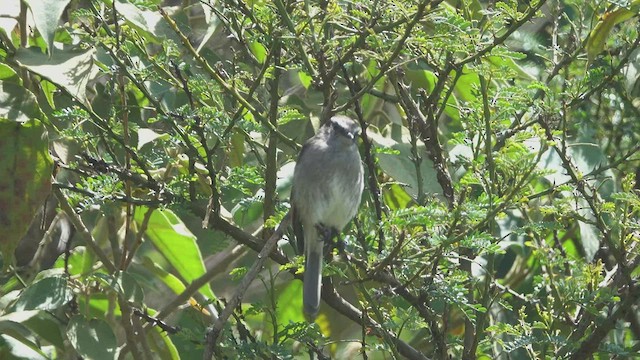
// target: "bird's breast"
[[329, 188]]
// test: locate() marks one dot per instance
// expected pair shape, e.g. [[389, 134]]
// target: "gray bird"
[[326, 192]]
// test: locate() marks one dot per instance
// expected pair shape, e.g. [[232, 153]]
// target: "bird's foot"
[[326, 232]]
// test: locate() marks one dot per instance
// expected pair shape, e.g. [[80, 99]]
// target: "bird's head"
[[342, 129]]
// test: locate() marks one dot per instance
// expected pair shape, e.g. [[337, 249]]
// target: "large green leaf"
[[69, 69], [396, 197], [25, 179], [176, 243], [17, 103], [145, 136], [8, 74], [161, 344], [600, 33], [290, 304], [47, 294], [39, 322], [259, 51], [212, 22], [46, 14], [79, 261], [98, 305], [93, 339], [151, 23], [146, 21], [130, 289], [167, 278], [16, 342], [467, 86], [9, 12], [508, 62], [245, 213], [397, 164]]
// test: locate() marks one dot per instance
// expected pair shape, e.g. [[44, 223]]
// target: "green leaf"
[[9, 296], [124, 284], [589, 234], [504, 61], [290, 304], [248, 211], [150, 23], [467, 85], [284, 180], [130, 289], [39, 322], [212, 22], [93, 339], [16, 346], [17, 103], [48, 89], [8, 74], [176, 243], [209, 240], [588, 157], [9, 12], [601, 31], [47, 294], [46, 14], [25, 179], [161, 344], [15, 330], [146, 136], [167, 278], [305, 79], [69, 69], [79, 262], [143, 20], [420, 78], [98, 305], [400, 167], [396, 197], [259, 51], [237, 149]]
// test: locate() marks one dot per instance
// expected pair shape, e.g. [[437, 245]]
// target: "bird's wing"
[[297, 228]]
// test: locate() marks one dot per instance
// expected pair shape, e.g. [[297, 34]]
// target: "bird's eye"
[[342, 129], [339, 129]]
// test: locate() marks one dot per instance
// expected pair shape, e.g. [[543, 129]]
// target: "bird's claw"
[[326, 232]]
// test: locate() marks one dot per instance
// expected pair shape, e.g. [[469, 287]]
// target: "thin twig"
[[374, 187], [271, 166], [214, 332], [429, 136], [329, 295], [85, 235], [219, 78], [399, 46]]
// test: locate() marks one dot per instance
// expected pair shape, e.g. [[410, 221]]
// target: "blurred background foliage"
[[147, 150]]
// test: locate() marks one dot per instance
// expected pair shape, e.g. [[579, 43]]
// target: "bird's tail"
[[312, 281]]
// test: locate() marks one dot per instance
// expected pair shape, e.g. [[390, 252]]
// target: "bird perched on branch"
[[327, 187]]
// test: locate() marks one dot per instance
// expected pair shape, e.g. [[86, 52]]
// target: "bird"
[[325, 196]]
